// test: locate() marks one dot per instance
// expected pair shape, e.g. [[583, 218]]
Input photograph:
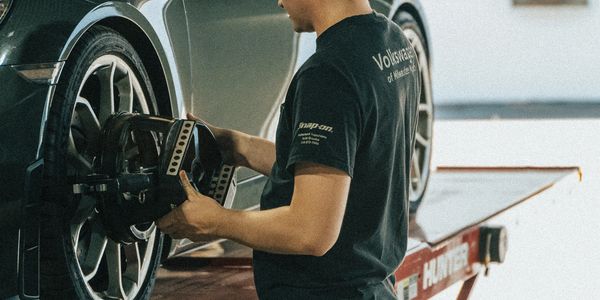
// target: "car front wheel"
[[103, 76]]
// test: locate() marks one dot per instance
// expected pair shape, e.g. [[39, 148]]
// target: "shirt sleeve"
[[326, 120]]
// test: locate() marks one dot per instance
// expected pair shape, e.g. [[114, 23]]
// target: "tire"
[[421, 161], [78, 260]]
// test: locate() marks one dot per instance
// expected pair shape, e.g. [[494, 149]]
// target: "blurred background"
[[517, 82], [497, 51]]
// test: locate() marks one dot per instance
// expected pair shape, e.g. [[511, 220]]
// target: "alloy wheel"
[[109, 269]]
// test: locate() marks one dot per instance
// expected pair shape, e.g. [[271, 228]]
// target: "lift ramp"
[[458, 198], [444, 237]]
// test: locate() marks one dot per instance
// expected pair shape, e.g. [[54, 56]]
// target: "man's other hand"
[[195, 219], [230, 142]]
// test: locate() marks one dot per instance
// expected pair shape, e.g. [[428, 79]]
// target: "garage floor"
[[196, 277], [234, 281]]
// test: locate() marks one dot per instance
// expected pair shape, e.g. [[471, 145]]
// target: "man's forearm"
[[258, 153], [276, 231], [309, 225], [243, 149]]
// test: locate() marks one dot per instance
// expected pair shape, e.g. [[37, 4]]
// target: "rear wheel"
[[421, 160], [104, 75]]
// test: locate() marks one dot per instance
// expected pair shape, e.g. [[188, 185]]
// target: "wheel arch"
[[145, 48], [414, 8], [135, 28], [158, 61]]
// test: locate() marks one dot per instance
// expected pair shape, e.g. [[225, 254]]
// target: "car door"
[[242, 55]]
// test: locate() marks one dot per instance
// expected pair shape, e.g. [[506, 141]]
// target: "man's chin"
[[301, 29]]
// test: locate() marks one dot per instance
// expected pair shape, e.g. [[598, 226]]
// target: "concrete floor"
[[200, 279], [199, 275]]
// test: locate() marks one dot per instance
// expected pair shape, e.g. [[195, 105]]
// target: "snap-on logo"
[[312, 126]]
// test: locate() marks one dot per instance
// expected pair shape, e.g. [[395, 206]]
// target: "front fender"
[[156, 33], [40, 32]]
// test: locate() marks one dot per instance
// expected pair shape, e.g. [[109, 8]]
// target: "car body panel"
[[221, 56], [35, 31], [167, 34], [228, 75], [18, 144]]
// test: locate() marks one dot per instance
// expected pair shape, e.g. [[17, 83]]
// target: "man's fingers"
[[190, 116], [172, 222], [185, 183], [177, 235], [167, 221], [171, 225]]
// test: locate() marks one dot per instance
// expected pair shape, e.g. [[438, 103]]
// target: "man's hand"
[[230, 142], [240, 149], [195, 219]]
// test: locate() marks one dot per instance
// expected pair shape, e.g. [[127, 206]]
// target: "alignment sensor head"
[[143, 156]]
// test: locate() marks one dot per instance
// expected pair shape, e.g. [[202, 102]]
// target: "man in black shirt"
[[333, 219]]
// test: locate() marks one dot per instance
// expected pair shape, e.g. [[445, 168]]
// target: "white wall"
[[492, 51]]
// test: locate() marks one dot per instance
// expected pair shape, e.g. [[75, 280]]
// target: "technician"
[[333, 219]]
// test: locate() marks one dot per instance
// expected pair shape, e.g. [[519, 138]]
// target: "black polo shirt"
[[351, 106]]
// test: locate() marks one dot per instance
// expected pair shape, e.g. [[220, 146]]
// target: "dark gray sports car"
[[67, 66]]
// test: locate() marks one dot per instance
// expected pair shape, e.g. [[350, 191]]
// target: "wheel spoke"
[[89, 122], [416, 167], [125, 88], [133, 271], [107, 91], [75, 231], [93, 257], [421, 140], [140, 96], [84, 210], [115, 278], [78, 161]]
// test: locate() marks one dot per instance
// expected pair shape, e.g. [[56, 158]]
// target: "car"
[[68, 66]]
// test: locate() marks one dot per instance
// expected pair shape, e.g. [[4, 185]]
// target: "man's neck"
[[330, 15]]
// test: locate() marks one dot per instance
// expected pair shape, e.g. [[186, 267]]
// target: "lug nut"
[[142, 197]]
